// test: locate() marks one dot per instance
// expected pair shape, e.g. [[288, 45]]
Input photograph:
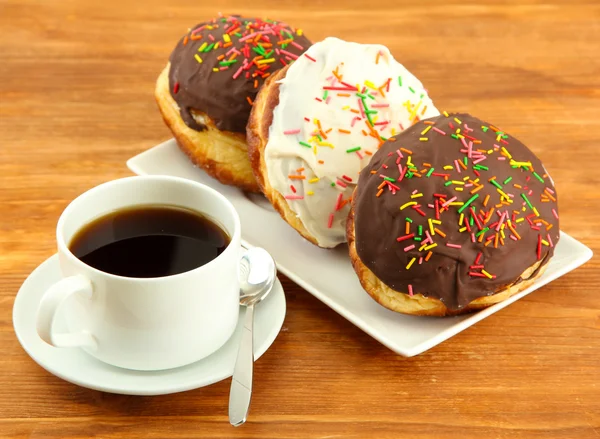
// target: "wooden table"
[[76, 101]]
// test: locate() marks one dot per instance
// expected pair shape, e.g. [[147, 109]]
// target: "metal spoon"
[[257, 275]]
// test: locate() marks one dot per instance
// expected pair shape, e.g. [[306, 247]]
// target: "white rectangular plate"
[[328, 274]]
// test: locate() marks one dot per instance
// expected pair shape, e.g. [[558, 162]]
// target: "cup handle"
[[49, 305]]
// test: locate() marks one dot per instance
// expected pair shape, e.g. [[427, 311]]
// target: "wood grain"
[[76, 84]]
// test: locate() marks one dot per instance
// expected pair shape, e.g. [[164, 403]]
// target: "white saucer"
[[77, 367]]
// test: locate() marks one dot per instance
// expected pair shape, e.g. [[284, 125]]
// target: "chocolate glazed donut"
[[250, 50], [206, 91], [453, 211]]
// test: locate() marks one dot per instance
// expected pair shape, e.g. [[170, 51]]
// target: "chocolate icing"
[[379, 221], [196, 86]]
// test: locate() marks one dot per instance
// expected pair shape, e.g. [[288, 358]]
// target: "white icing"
[[362, 64]]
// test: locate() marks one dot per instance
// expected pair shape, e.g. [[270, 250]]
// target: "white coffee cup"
[[144, 323]]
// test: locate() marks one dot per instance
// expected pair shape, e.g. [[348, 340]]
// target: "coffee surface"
[[149, 241]]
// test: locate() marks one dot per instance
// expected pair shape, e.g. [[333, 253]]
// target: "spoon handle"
[[241, 384]]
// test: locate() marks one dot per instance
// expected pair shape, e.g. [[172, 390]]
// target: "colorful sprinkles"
[[365, 108], [249, 49], [491, 221]]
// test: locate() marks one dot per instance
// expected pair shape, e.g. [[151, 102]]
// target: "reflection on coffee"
[[149, 241]]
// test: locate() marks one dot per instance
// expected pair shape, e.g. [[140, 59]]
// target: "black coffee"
[[149, 241]]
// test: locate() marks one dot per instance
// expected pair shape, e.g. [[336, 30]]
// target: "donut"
[[206, 91], [451, 216], [316, 123]]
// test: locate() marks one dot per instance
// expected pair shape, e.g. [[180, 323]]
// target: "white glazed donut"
[[330, 111]]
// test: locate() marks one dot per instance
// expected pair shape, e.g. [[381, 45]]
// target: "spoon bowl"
[[257, 275]]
